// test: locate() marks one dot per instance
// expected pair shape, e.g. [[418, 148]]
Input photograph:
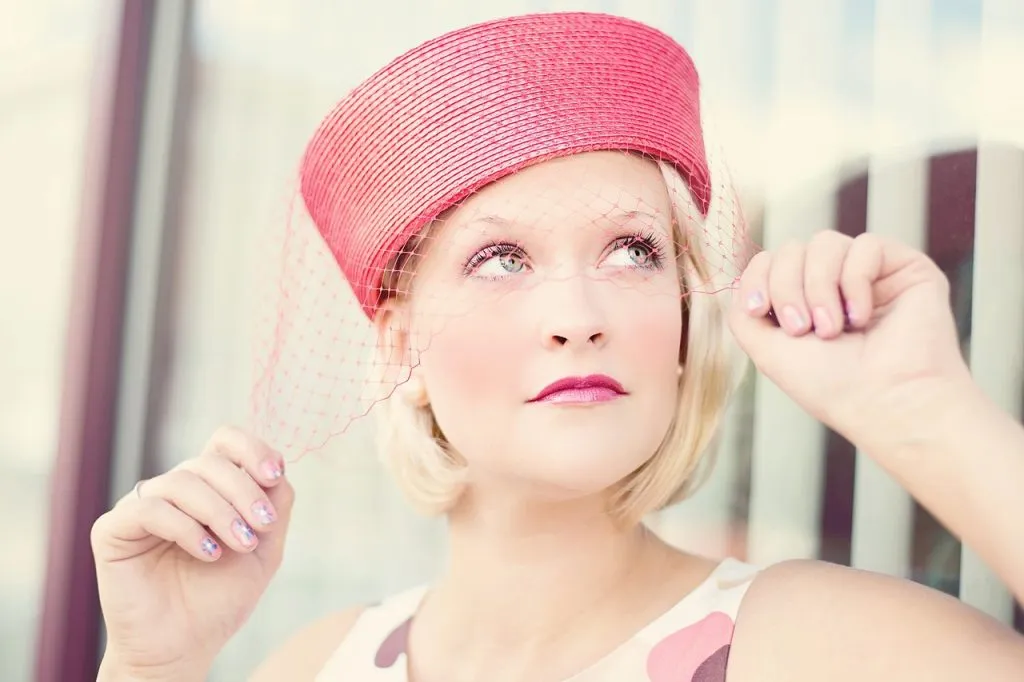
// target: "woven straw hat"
[[476, 104]]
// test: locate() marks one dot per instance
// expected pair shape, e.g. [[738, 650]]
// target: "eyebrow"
[[501, 221]]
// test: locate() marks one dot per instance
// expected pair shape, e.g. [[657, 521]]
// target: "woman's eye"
[[632, 253], [510, 263]]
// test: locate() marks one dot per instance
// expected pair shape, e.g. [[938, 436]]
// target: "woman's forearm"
[[965, 464]]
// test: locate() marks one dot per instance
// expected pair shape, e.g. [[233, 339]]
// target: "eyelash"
[[645, 237], [650, 241], [488, 251]]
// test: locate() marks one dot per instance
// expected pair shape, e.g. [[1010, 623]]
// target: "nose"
[[573, 315]]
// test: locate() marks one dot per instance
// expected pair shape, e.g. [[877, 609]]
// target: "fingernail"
[[823, 321], [755, 301], [273, 469], [245, 534], [264, 512], [209, 547], [796, 320]]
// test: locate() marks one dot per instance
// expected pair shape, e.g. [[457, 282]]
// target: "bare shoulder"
[[810, 620], [303, 655]]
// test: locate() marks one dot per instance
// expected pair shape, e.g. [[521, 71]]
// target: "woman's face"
[[566, 269]]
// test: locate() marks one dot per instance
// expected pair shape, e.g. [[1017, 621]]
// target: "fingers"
[[234, 493], [753, 287], [152, 520], [809, 287], [863, 267], [209, 506], [264, 465], [786, 289], [825, 268], [248, 452]]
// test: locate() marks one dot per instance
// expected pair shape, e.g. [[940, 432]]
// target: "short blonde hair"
[[432, 475]]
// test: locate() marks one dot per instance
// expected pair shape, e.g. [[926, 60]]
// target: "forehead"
[[580, 187]]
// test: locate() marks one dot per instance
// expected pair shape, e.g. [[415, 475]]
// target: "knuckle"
[[152, 506], [182, 476], [758, 267], [191, 465], [868, 240], [225, 437], [793, 244], [98, 530], [830, 238]]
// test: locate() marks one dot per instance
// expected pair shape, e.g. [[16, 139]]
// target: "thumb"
[[768, 345], [756, 333]]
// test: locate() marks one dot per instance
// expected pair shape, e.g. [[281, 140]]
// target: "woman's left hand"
[[865, 339]]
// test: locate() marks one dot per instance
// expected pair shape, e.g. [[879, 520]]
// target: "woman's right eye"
[[496, 261], [503, 264]]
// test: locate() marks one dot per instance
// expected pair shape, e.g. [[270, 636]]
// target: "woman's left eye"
[[633, 252]]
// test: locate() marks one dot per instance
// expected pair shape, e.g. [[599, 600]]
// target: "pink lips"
[[595, 388]]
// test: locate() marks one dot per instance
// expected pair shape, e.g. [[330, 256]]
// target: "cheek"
[[651, 333], [468, 358]]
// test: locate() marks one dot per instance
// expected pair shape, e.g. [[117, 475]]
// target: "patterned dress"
[[688, 643]]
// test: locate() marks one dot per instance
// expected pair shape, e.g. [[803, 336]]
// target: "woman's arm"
[[965, 463], [963, 459]]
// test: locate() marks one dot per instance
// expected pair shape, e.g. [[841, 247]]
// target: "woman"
[[519, 208]]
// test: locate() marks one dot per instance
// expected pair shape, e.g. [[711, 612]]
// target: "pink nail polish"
[[755, 301], [273, 469], [794, 318], [209, 547], [823, 321], [264, 512], [245, 534]]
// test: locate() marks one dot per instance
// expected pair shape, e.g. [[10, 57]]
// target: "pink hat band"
[[467, 108]]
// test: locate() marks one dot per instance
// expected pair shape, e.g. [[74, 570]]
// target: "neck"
[[543, 566]]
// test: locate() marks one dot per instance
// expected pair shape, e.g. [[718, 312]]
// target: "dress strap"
[[374, 648]]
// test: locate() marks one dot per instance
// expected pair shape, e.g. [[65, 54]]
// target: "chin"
[[584, 468]]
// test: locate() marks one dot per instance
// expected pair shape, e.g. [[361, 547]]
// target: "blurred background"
[[144, 145]]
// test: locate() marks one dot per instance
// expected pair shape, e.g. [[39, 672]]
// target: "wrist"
[[913, 421], [115, 669]]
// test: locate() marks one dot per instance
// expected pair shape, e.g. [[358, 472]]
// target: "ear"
[[394, 353]]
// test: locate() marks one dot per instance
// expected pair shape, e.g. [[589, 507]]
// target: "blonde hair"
[[432, 474]]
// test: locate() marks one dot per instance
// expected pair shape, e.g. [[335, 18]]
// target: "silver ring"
[[138, 489]]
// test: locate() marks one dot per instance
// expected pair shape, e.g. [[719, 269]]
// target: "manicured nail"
[[264, 512], [755, 301], [245, 534], [823, 321], [209, 547], [273, 469], [794, 318]]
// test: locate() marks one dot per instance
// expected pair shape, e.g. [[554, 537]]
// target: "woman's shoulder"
[[814, 620], [305, 653]]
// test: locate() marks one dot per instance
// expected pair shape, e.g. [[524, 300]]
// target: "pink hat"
[[481, 102]]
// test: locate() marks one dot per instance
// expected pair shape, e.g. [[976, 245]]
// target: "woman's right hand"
[[182, 560]]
